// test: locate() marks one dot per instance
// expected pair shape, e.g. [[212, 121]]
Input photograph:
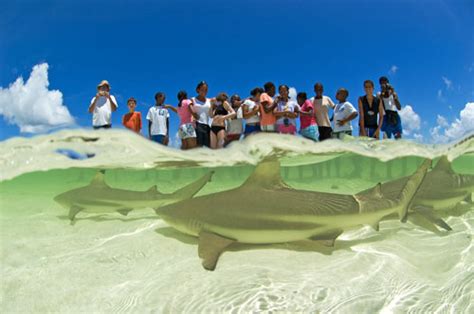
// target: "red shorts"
[[289, 129], [233, 137]]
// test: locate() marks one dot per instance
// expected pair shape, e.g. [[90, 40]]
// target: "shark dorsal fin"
[[266, 174], [443, 164], [376, 191], [153, 189], [99, 178]]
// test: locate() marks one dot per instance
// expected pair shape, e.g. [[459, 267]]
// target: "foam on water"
[[111, 263]]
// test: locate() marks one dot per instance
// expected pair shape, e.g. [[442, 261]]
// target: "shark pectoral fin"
[[431, 216], [124, 211], [411, 188], [375, 225], [468, 198], [73, 211], [210, 248], [327, 239], [419, 220]]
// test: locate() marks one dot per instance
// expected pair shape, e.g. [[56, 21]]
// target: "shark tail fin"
[[411, 187], [193, 188]]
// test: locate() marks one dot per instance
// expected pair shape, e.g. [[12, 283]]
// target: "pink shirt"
[[306, 121], [185, 116]]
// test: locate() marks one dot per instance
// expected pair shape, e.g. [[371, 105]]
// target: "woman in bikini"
[[219, 112]]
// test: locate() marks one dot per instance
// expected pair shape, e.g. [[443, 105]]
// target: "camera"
[[387, 89]]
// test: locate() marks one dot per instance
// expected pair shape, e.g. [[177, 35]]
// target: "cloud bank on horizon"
[[446, 131], [32, 106], [36, 109]]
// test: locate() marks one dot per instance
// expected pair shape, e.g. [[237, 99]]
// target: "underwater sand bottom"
[[137, 263]]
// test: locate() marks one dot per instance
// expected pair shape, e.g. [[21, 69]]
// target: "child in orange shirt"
[[133, 119]]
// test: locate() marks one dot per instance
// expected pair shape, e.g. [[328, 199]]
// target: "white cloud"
[[445, 131], [440, 95], [393, 69], [447, 82], [418, 137], [32, 106], [441, 121], [411, 121]]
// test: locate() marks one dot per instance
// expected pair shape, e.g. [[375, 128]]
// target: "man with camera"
[[102, 106], [392, 124]]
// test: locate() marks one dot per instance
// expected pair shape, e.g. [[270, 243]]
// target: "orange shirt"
[[133, 121], [266, 118]]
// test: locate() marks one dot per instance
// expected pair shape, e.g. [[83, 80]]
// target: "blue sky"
[[425, 47]]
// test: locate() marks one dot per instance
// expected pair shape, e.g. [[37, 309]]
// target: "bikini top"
[[220, 110]]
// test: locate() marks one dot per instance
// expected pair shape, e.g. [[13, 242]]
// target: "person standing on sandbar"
[[102, 106]]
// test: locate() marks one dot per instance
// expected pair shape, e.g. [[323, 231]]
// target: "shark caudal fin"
[[193, 188], [411, 187]]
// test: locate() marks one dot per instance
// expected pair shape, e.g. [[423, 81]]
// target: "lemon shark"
[[264, 210], [99, 197], [442, 191]]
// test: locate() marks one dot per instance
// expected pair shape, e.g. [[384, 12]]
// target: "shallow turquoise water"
[[135, 263]]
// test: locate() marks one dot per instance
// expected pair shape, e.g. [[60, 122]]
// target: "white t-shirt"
[[202, 109], [235, 126], [342, 111], [389, 103], [158, 115], [250, 105], [286, 106], [102, 114]]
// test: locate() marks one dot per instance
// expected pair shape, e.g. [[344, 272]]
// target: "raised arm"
[[397, 101], [93, 103], [231, 112], [171, 108], [113, 104], [191, 110], [246, 113], [309, 113], [278, 113]]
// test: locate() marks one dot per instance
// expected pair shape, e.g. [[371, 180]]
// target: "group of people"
[[216, 122]]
